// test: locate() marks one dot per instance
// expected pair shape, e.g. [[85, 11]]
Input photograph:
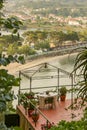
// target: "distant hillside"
[[50, 6], [48, 3]]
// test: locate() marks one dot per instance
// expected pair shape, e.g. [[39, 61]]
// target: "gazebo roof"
[[47, 75], [43, 67]]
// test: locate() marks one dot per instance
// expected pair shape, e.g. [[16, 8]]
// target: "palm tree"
[[80, 69]]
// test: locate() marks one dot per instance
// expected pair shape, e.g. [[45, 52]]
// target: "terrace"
[[50, 113]]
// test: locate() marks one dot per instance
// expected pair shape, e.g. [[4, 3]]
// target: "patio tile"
[[57, 114]]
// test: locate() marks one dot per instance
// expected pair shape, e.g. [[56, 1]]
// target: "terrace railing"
[[47, 122]]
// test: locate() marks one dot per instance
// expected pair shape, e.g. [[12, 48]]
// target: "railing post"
[[30, 83], [19, 88], [35, 121], [58, 85], [47, 125], [72, 90]]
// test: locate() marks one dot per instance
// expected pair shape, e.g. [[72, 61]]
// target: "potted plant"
[[25, 103], [63, 92], [22, 99], [35, 115], [47, 126], [31, 106], [47, 92], [29, 95]]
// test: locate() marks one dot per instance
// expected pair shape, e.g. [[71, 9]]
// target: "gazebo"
[[45, 76], [40, 79]]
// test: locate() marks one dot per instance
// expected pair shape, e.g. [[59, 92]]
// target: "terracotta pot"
[[30, 112], [62, 98], [30, 97], [35, 116], [47, 92]]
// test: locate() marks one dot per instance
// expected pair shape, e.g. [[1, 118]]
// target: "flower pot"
[[35, 116], [62, 98], [47, 92], [29, 95], [30, 112], [46, 126]]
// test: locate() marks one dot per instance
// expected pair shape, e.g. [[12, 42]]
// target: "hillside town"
[[35, 15]]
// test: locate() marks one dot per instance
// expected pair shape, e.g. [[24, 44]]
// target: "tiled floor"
[[57, 114], [62, 113]]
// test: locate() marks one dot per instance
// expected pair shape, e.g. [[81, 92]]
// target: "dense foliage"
[[36, 40], [7, 80], [80, 70]]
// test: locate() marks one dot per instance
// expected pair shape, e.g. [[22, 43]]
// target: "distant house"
[[73, 22], [52, 45]]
